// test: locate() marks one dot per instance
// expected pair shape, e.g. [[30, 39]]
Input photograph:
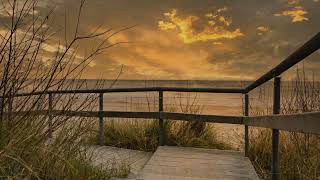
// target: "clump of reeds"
[[143, 134], [194, 134], [299, 153], [138, 134]]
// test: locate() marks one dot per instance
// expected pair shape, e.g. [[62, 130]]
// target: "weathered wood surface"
[[303, 122], [177, 163], [144, 89], [142, 115], [203, 118]]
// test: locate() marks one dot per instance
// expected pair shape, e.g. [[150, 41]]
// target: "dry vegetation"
[[299, 153], [26, 64]]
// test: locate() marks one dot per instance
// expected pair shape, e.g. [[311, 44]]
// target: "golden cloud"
[[222, 9], [293, 1], [262, 29], [217, 43], [166, 25], [297, 14], [211, 15], [225, 21], [147, 59], [52, 48], [214, 29]]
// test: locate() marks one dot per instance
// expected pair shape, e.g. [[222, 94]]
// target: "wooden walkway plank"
[[177, 163]]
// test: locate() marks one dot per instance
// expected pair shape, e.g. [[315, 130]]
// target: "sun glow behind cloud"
[[196, 40], [214, 29]]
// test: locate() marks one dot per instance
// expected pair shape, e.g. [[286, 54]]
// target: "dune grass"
[[26, 153], [143, 134], [299, 153]]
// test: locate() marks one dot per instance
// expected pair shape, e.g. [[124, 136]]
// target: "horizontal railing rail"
[[146, 89], [301, 122], [142, 115]]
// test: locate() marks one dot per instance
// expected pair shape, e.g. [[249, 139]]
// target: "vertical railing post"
[[101, 123], [275, 132], [50, 108], [246, 128], [161, 124]]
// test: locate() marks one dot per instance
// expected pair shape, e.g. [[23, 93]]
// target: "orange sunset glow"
[[191, 39]]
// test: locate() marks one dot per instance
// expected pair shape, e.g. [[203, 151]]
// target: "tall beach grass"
[[299, 153]]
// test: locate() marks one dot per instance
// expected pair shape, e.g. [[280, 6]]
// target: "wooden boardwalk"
[[177, 163]]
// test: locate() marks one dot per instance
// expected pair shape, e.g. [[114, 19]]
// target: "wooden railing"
[[303, 122]]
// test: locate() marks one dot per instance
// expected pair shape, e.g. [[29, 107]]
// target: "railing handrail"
[[146, 89], [307, 122]]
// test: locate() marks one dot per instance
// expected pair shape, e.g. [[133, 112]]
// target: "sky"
[[195, 39]]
